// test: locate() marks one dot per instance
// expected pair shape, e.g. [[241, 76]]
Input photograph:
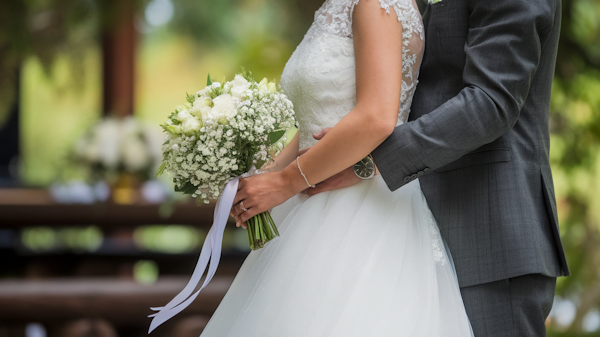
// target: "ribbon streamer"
[[211, 251]]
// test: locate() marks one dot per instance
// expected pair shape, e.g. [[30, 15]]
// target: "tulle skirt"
[[359, 261]]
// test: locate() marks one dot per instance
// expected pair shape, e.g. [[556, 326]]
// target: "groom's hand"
[[317, 136], [343, 179]]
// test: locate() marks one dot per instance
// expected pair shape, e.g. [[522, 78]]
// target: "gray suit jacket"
[[478, 138]]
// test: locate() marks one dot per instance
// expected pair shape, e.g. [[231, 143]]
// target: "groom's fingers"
[[303, 151], [318, 136], [321, 134], [343, 179]]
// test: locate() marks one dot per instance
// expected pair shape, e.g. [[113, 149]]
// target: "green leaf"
[[275, 136], [260, 164], [161, 169], [190, 98], [248, 75], [208, 80], [188, 188]]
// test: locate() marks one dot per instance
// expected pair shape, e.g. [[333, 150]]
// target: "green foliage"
[[188, 188], [190, 98], [575, 149], [161, 169], [174, 239], [248, 76], [276, 135]]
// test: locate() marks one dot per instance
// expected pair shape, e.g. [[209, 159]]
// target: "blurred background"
[[89, 239]]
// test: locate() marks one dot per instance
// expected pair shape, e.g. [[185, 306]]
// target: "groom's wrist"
[[366, 168]]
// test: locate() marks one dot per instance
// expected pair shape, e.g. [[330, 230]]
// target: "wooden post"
[[9, 142], [119, 40]]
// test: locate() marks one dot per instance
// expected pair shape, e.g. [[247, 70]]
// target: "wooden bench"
[[125, 304], [97, 306]]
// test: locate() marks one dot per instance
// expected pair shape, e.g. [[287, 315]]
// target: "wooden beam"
[[120, 302], [35, 207], [102, 215]]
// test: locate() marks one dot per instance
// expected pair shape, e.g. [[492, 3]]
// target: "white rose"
[[240, 85], [183, 115], [223, 108], [272, 87], [190, 126], [199, 104], [205, 113]]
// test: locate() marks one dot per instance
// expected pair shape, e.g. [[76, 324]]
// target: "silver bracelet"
[[303, 176]]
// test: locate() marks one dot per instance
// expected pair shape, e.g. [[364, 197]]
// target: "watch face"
[[365, 168]]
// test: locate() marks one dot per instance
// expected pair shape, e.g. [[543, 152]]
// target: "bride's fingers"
[[239, 208], [235, 211], [247, 215], [241, 195], [241, 183], [239, 222]]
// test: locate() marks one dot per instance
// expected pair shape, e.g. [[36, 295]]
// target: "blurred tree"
[[575, 139], [46, 29], [42, 29]]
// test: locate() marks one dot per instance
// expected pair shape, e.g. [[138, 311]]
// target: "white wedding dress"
[[359, 261]]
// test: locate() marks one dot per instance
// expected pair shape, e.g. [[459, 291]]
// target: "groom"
[[478, 142]]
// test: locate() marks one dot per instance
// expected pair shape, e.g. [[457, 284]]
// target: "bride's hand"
[[259, 194]]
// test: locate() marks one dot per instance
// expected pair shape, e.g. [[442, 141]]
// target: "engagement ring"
[[242, 206]]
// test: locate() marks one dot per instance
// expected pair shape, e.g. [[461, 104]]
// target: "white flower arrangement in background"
[[224, 131], [114, 146]]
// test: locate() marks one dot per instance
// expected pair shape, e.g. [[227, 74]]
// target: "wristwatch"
[[365, 169]]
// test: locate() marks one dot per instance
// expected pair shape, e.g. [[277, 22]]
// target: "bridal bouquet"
[[226, 131], [222, 133]]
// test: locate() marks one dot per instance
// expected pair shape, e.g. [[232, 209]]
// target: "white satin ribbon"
[[211, 251]]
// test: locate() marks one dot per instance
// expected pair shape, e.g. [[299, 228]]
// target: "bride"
[[359, 261]]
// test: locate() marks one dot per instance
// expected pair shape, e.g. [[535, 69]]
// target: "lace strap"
[[399, 6]]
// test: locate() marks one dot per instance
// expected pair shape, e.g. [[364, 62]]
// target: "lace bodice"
[[319, 78]]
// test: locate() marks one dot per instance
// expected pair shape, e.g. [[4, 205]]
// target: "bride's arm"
[[285, 157], [378, 53]]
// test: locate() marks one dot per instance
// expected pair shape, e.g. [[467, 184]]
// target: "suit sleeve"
[[503, 49]]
